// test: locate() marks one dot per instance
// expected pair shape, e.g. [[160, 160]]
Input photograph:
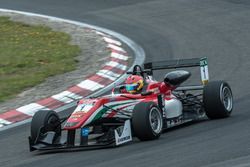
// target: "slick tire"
[[44, 121], [147, 121], [218, 100]]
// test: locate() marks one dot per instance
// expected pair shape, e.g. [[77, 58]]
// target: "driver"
[[134, 84]]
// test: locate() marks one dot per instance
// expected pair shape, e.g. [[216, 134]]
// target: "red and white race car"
[[141, 107]]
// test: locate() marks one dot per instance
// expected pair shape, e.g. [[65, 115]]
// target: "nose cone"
[[175, 78]]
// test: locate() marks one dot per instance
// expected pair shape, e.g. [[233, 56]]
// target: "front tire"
[[147, 121], [44, 121], [218, 100]]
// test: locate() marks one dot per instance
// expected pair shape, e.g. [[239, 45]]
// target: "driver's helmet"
[[134, 84]]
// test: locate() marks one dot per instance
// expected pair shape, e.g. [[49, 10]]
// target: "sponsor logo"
[[124, 139], [76, 115], [83, 108], [123, 133], [85, 132], [175, 121], [204, 71]]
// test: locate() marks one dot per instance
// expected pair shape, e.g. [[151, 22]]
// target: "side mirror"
[[175, 78]]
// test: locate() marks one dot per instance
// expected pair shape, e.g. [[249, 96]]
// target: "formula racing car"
[[141, 107]]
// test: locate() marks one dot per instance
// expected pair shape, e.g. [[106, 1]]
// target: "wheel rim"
[[227, 98], [155, 120], [52, 124]]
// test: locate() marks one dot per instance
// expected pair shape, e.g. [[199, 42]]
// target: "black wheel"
[[217, 99], [147, 121], [44, 121]]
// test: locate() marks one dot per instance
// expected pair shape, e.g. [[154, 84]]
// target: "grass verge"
[[30, 54]]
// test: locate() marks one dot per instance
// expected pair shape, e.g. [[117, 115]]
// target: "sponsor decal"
[[126, 138], [84, 132], [76, 115], [123, 133], [175, 121], [204, 70], [85, 107]]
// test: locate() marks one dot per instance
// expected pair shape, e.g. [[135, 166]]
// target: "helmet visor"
[[131, 87]]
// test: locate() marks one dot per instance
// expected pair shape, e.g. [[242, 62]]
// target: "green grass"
[[30, 54]]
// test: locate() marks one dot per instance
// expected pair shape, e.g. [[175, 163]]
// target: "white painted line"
[[31, 109], [102, 34], [117, 48], [90, 85], [108, 74], [119, 56], [66, 97], [112, 41], [117, 65], [4, 122]]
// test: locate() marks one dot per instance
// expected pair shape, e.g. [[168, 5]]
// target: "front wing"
[[48, 142]]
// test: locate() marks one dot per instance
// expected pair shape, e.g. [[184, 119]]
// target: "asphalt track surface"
[[166, 29]]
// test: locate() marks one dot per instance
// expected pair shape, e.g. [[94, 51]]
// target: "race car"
[[141, 107]]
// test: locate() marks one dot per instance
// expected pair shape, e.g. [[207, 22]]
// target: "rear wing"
[[181, 63]]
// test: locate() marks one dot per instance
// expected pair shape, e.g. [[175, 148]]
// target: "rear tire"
[[44, 121], [147, 121], [217, 99]]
